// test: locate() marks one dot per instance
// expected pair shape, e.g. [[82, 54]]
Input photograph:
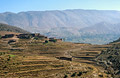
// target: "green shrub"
[[79, 74], [54, 40], [65, 76], [11, 55], [0, 36], [73, 75], [46, 41], [36, 38], [5, 72], [109, 57], [2, 53]]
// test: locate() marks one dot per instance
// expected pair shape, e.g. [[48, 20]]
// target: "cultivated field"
[[29, 58]]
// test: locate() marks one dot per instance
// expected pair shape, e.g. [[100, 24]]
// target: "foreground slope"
[[35, 58], [110, 59]]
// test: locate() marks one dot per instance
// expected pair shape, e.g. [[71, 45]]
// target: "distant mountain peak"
[[77, 23]]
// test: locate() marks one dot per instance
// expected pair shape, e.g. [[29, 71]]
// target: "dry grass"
[[6, 32], [37, 59]]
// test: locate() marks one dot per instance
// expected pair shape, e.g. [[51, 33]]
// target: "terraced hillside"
[[44, 67], [34, 58], [88, 53], [110, 59]]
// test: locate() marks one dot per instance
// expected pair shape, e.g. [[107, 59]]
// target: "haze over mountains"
[[88, 26]]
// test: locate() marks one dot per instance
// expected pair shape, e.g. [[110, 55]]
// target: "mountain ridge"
[[5, 27], [65, 23], [57, 15]]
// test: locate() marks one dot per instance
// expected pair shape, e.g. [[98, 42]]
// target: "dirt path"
[[84, 58]]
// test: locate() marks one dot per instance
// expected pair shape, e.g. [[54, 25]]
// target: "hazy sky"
[[41, 5]]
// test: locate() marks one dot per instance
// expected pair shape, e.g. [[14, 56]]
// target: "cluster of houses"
[[36, 36]]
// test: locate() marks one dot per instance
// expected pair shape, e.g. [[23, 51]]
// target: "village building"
[[55, 40], [36, 36], [59, 40], [8, 36], [29, 36], [24, 36]]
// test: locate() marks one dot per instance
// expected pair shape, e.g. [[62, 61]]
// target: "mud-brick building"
[[24, 36], [59, 40], [8, 36], [29, 36], [55, 40]]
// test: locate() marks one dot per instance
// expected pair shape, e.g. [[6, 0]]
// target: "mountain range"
[[78, 25]]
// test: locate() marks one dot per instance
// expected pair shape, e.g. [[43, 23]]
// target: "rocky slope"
[[5, 27], [110, 59]]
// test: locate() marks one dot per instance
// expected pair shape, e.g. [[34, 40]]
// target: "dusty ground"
[[35, 59]]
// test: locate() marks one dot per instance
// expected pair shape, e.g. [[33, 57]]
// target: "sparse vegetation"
[[65, 76], [46, 41], [79, 74], [11, 56], [33, 58], [5, 27], [36, 38], [0, 36], [110, 59], [53, 40], [73, 75], [2, 53]]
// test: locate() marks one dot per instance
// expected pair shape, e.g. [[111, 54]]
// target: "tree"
[[0, 36], [65, 76], [36, 38], [46, 41]]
